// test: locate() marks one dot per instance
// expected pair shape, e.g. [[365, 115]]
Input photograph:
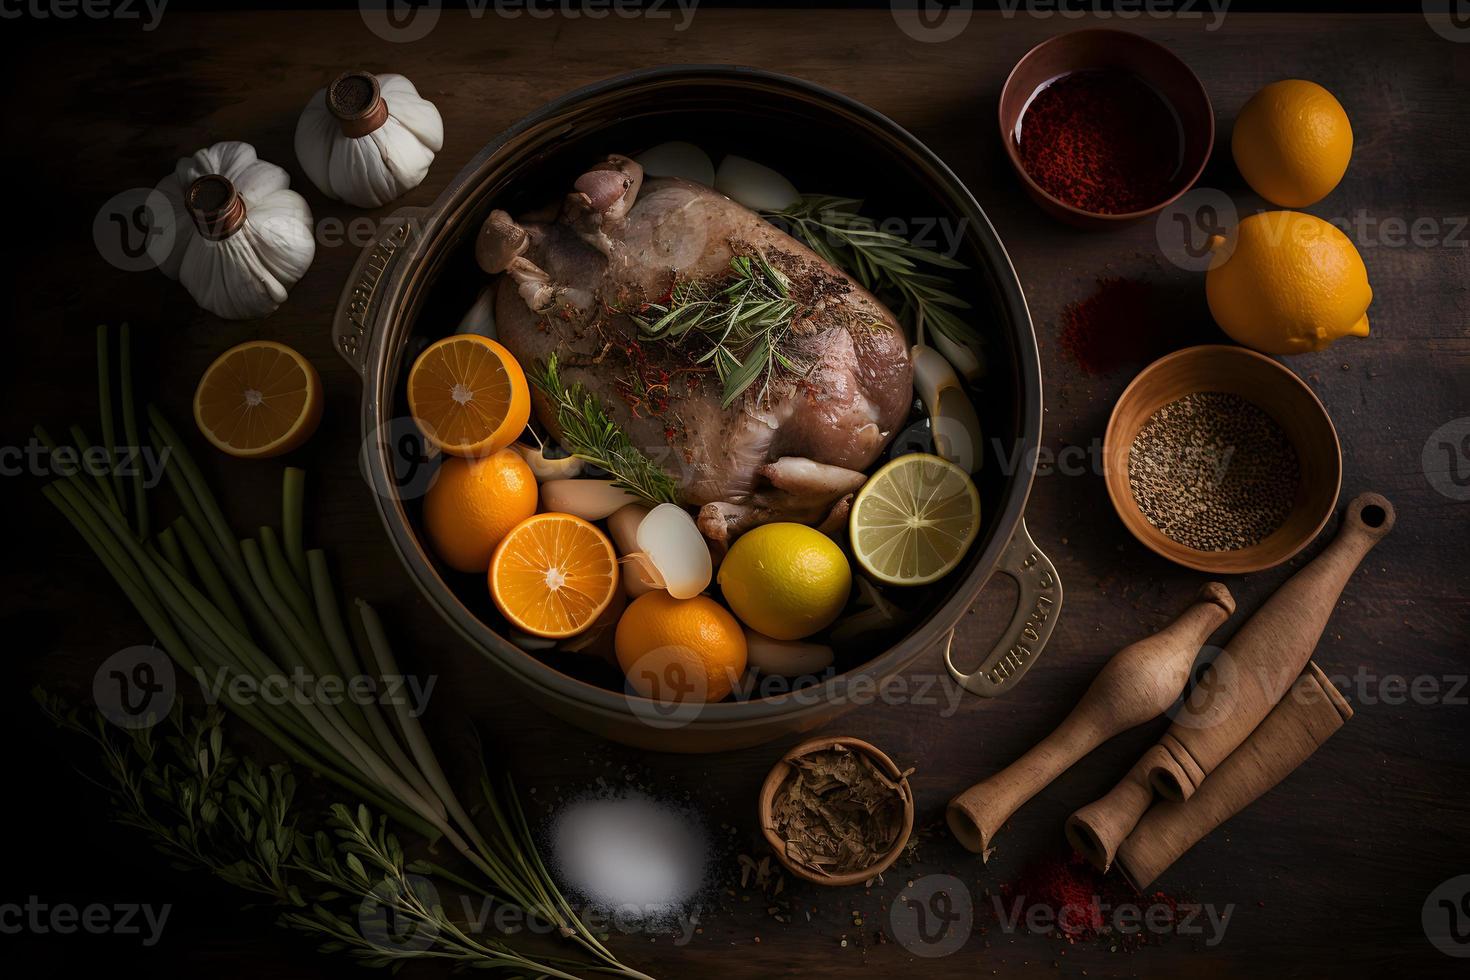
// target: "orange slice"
[[258, 399], [468, 395], [553, 575]]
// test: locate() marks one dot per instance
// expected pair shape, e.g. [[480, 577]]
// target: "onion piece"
[[480, 317], [953, 424], [591, 500], [678, 159], [638, 573], [786, 658], [672, 542], [546, 468], [754, 185]]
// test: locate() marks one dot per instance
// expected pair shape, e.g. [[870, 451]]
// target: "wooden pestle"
[[1305, 718], [1098, 829], [1138, 684], [1265, 656]]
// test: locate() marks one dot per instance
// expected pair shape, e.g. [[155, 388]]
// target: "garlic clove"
[[591, 500], [672, 542], [639, 575], [678, 159], [953, 423], [786, 658], [754, 185], [546, 468]]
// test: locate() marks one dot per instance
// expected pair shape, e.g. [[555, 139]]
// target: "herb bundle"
[[589, 433], [743, 317], [883, 262], [205, 809], [262, 609]]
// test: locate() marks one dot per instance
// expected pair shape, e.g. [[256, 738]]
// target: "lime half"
[[914, 520]]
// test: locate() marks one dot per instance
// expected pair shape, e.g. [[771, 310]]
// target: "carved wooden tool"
[[1264, 656], [1137, 685], [1305, 718]]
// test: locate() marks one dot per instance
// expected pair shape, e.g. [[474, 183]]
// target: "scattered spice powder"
[[838, 812], [1084, 904], [1102, 141], [1121, 323], [1213, 471]]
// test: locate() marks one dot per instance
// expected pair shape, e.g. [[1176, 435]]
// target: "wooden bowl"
[[1097, 50], [782, 770], [1268, 385]]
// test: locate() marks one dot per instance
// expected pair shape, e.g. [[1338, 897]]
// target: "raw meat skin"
[[618, 243]]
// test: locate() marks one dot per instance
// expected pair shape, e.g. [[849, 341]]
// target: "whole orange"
[[473, 503], [677, 650]]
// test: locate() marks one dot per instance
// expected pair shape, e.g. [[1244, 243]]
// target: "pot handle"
[[1030, 627], [356, 318]]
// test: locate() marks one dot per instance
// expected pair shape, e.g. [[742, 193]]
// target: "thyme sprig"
[[743, 318], [883, 262], [589, 433]]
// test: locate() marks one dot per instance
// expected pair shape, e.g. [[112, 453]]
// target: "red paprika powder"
[[1102, 141]]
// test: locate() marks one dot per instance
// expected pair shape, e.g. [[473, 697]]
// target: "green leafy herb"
[[883, 262], [590, 433], [744, 319]]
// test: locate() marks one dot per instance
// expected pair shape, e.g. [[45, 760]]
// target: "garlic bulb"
[[366, 139], [241, 237]]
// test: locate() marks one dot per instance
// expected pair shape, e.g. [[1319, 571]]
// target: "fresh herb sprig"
[[341, 884], [743, 317], [590, 434], [883, 262]]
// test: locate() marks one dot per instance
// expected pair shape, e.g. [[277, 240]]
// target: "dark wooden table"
[[1326, 873]]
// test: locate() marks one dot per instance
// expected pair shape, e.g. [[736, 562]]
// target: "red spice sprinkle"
[[1120, 324], [1102, 141]]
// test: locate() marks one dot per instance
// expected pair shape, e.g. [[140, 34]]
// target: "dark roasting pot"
[[414, 282]]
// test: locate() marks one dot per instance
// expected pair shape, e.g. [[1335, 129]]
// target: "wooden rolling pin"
[[1305, 718], [1137, 685], [1265, 656]]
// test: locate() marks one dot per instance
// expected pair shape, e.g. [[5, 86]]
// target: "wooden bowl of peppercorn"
[[1222, 460], [1104, 127]]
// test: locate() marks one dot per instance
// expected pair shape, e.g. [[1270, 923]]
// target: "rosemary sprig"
[[883, 262], [207, 810], [744, 318], [590, 433]]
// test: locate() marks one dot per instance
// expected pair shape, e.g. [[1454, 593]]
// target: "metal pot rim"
[[372, 359]]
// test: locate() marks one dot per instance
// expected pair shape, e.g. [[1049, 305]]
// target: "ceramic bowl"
[[1100, 50], [1277, 391], [783, 770]]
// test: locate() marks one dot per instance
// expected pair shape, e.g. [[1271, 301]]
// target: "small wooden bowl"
[[1270, 386], [1098, 50], [782, 770]]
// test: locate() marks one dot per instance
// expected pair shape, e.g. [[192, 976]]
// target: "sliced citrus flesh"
[[258, 399], [553, 575], [468, 395], [914, 519]]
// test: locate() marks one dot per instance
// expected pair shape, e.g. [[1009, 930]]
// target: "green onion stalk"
[[264, 607]]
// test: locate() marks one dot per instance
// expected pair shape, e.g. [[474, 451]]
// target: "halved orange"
[[468, 395], [258, 399], [553, 575]]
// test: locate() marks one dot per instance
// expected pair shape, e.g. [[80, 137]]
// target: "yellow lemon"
[[785, 580], [1292, 142], [1288, 283]]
